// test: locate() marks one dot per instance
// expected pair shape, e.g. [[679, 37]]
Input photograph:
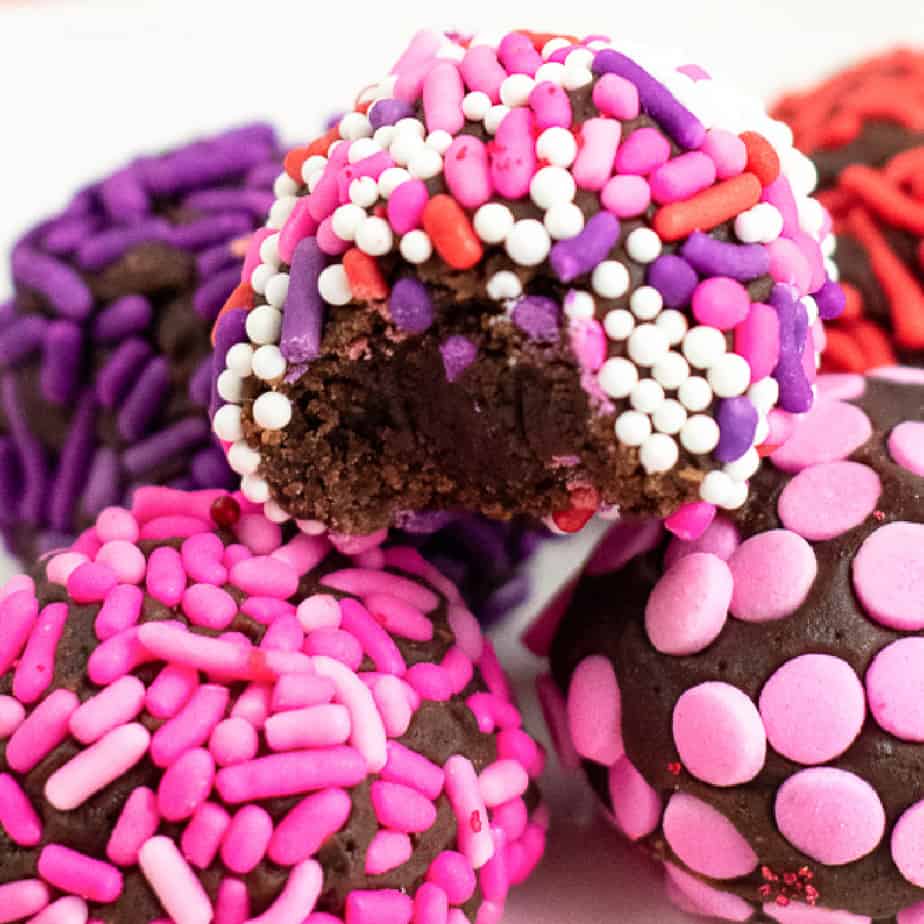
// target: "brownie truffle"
[[864, 130], [206, 717], [535, 275], [748, 705], [104, 348]]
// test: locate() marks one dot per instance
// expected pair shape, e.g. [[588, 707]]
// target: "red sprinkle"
[[451, 232], [708, 209], [366, 280], [763, 161], [225, 511]]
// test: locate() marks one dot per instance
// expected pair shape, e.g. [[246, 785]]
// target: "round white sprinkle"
[[829, 246], [528, 243], [632, 428], [227, 423], [416, 247], [700, 434], [504, 285], [263, 324], [833, 270], [579, 305], [553, 45], [647, 345], [647, 396], [811, 309], [243, 459], [411, 126], [280, 211], [671, 371], [284, 185], [800, 171], [277, 289], [646, 303], [230, 386], [312, 166], [493, 118], [239, 359], [762, 432], [334, 285], [764, 394], [576, 77], [405, 146], [659, 453], [269, 250], [363, 148], [610, 279], [674, 325], [695, 394], [355, 125], [619, 324], [736, 495], [643, 245], [440, 141], [716, 488], [255, 489], [346, 219], [425, 163], [617, 377], [515, 90], [374, 236], [563, 221], [274, 513], [313, 181], [269, 363], [761, 224], [558, 146], [670, 417], [703, 346], [552, 186], [384, 136], [391, 179], [580, 57], [272, 411], [475, 106], [364, 192], [729, 376], [261, 276], [493, 222], [744, 468], [551, 72]]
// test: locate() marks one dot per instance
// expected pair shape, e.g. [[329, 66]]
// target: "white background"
[[86, 84]]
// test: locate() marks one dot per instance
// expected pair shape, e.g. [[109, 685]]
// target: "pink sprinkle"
[[170, 691], [174, 527], [398, 617], [307, 827], [512, 818], [402, 808], [466, 630], [727, 152], [375, 641], [125, 559], [79, 874], [551, 105], [232, 906], [406, 206], [208, 606], [453, 873], [166, 579], [154, 501], [202, 558], [233, 741], [292, 691], [138, 822], [90, 582], [459, 668], [203, 835], [284, 634], [87, 543], [502, 781], [192, 726], [555, 714], [493, 712], [252, 257], [442, 98], [493, 878], [120, 611], [721, 302], [314, 726], [114, 706], [328, 241], [517, 54], [393, 705], [493, 674], [177, 645], [61, 566], [336, 644], [682, 177], [18, 616], [594, 163], [36, 668], [384, 907], [186, 784], [12, 714], [483, 72], [431, 681], [412, 562], [319, 611], [267, 610], [41, 732], [264, 575], [114, 523], [17, 816], [431, 906], [299, 225], [414, 770], [474, 834], [643, 151], [254, 704], [96, 767], [304, 553], [174, 883], [298, 897], [22, 899], [16, 583], [387, 851], [67, 910], [513, 155], [360, 583], [246, 840], [532, 847], [260, 535], [615, 96], [466, 167]]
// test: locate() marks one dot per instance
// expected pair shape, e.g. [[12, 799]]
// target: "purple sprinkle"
[[145, 401], [831, 300], [61, 362], [124, 197], [73, 465], [538, 317], [410, 306], [214, 292], [231, 329], [795, 388], [62, 236], [200, 382], [737, 420], [128, 315], [104, 483], [10, 481], [389, 111], [105, 248], [458, 354], [255, 201], [32, 461], [175, 440], [674, 278], [210, 469], [333, 120], [575, 256], [655, 98], [422, 522], [215, 259], [55, 281], [122, 366], [19, 339], [710, 257], [213, 229], [263, 176], [304, 311]]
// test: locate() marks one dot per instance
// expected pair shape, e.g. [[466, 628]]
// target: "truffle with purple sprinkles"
[[104, 348], [528, 274]]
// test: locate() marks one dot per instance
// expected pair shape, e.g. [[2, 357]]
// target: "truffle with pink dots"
[[747, 705], [206, 717], [527, 274]]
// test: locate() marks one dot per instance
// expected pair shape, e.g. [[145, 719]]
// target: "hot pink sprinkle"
[[402, 808], [398, 617], [459, 668], [166, 579], [12, 714], [384, 907], [311, 727], [61, 566], [125, 559], [192, 726], [284, 634], [502, 781], [22, 899], [137, 823], [246, 839], [267, 610], [42, 731], [115, 523], [114, 706], [202, 558], [264, 575], [203, 835], [186, 784], [233, 741], [178, 526], [79, 874], [375, 641], [306, 828], [171, 690], [36, 668], [414, 770], [17, 816], [362, 582], [208, 606], [120, 611], [297, 898], [232, 906], [90, 582], [388, 850], [293, 691], [18, 615]]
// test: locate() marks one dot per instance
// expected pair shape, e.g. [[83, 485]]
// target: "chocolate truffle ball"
[[206, 717], [528, 275], [104, 348], [864, 130], [748, 705]]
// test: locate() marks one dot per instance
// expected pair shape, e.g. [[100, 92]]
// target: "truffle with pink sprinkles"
[[205, 717], [748, 705], [527, 274]]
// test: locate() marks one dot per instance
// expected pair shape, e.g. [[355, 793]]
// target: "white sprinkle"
[[764, 394], [475, 106], [632, 428], [619, 324], [272, 410], [355, 125], [493, 118], [646, 303], [558, 146], [391, 179], [744, 468], [695, 394], [269, 363], [610, 279], [493, 222], [364, 192], [717, 488], [227, 423], [277, 289], [671, 371], [243, 459], [674, 324], [552, 186], [334, 285], [699, 435], [643, 245], [528, 243], [261, 276], [230, 386], [659, 453], [515, 90], [647, 396], [617, 377], [579, 305], [313, 166], [670, 417], [284, 185], [425, 163], [440, 140], [280, 211], [551, 72], [564, 221], [346, 219], [504, 285], [730, 376], [647, 345], [255, 489], [239, 359], [703, 346], [374, 237], [416, 246], [263, 324], [269, 250]]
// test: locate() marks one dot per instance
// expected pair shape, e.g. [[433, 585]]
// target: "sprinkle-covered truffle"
[[864, 130], [206, 717], [747, 704], [104, 349], [526, 275]]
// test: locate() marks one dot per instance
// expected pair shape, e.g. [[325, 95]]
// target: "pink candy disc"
[[595, 711], [799, 913], [720, 538], [719, 734], [845, 386], [888, 574], [908, 844], [906, 444], [813, 708], [705, 840], [895, 685], [826, 500], [830, 431], [773, 573], [912, 915], [699, 898], [636, 806], [906, 375], [689, 605], [831, 815]]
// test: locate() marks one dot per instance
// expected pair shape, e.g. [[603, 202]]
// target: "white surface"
[[88, 83]]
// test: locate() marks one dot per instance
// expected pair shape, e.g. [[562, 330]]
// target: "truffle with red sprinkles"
[[747, 706], [864, 130], [527, 274], [105, 370], [206, 717]]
